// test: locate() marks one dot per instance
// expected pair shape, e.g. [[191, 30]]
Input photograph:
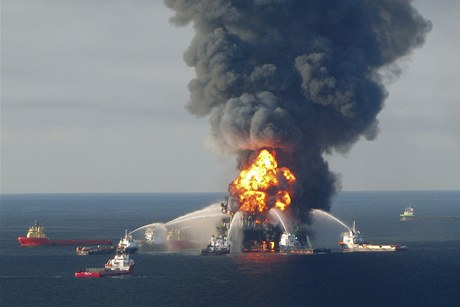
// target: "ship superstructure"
[[127, 244]]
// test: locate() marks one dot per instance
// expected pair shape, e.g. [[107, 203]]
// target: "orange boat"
[[36, 237]]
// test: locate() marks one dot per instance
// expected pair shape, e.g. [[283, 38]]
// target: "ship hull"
[[101, 273], [211, 251], [373, 248], [24, 241], [306, 251]]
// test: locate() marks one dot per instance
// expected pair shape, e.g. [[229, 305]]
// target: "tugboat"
[[291, 245], [353, 241], [217, 246], [121, 264], [95, 250], [408, 214], [36, 237], [127, 244]]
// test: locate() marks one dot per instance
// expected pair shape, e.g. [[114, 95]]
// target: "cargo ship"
[[36, 237], [121, 264], [353, 241], [408, 214]]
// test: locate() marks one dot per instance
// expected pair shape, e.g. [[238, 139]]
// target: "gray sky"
[[93, 100]]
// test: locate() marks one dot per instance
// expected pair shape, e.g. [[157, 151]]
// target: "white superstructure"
[[127, 244]]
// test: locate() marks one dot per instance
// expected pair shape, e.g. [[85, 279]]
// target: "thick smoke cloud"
[[300, 76]]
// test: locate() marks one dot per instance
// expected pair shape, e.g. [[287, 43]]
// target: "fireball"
[[263, 185]]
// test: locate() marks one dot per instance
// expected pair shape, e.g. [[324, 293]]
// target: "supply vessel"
[[36, 237], [353, 241], [407, 215], [121, 264]]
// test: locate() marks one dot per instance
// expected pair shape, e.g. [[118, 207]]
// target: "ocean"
[[428, 274]]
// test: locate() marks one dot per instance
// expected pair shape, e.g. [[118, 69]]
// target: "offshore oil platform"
[[256, 232]]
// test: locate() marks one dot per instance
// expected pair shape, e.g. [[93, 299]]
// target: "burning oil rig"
[[259, 188]]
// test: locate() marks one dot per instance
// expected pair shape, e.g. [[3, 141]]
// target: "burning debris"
[[292, 80]]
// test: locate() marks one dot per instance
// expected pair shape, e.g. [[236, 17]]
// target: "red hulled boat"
[[36, 237], [121, 264]]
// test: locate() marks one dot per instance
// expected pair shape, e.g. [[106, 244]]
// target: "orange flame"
[[263, 184]]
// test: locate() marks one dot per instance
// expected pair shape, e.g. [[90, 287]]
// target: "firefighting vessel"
[[291, 245], [408, 214], [353, 241], [127, 244], [36, 237], [121, 264], [217, 246]]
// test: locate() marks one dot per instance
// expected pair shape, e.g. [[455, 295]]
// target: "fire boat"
[[219, 245], [127, 244], [353, 241], [291, 245]]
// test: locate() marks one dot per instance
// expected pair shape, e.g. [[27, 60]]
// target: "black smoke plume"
[[299, 76]]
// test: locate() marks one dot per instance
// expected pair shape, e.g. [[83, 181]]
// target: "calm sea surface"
[[426, 275]]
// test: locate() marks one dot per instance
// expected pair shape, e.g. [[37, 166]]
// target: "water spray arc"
[[277, 214]]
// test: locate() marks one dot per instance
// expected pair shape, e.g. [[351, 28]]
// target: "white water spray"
[[196, 226], [277, 214], [210, 211], [192, 218], [322, 213], [235, 233]]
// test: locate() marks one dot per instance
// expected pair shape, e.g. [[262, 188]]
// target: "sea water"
[[426, 275]]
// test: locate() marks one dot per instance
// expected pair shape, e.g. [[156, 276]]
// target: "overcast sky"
[[93, 99]]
